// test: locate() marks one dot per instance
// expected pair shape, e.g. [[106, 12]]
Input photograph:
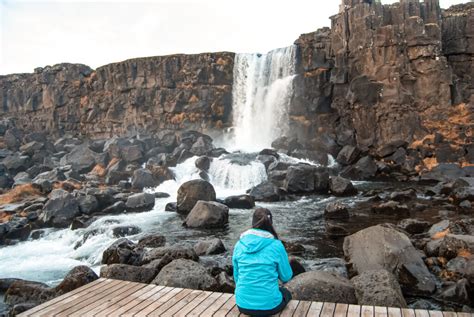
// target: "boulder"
[[365, 168], [265, 191], [392, 208], [81, 158], [143, 178], [169, 254], [116, 208], [380, 247], [336, 210], [185, 274], [321, 287], [121, 251], [240, 202], [123, 231], [60, 209], [203, 163], [88, 204], [453, 244], [458, 292], [202, 146], [225, 283], [348, 155], [208, 214], [152, 241], [16, 163], [414, 226], [209, 247], [126, 272], [321, 181], [77, 277], [378, 288], [140, 202], [28, 292], [190, 192], [299, 179], [132, 153], [340, 186]]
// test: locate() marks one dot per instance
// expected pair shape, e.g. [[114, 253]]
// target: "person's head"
[[262, 219]]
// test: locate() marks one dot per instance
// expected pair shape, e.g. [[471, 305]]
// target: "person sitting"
[[259, 260]]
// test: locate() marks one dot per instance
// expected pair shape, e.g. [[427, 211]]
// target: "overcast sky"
[[40, 33]]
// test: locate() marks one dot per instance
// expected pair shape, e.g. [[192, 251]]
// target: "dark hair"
[[262, 219]]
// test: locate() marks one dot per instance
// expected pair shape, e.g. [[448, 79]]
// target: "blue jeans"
[[261, 313]]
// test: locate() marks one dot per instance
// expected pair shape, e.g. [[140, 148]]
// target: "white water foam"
[[262, 91]]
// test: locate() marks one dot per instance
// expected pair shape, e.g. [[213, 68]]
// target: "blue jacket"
[[259, 260]]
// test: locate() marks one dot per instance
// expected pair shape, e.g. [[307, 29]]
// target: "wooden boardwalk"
[[106, 297]]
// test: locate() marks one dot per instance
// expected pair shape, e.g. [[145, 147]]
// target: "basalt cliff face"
[[382, 77], [388, 75], [146, 94]]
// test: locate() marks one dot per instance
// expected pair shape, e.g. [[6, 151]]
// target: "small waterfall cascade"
[[263, 87]]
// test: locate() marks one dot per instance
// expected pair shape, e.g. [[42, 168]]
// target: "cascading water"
[[263, 87]]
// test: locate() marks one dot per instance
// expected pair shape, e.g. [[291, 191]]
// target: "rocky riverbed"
[[141, 208]]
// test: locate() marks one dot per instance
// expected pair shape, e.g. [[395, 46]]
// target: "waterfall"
[[262, 91]]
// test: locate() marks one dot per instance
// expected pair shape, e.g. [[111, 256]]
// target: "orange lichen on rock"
[[112, 162], [178, 118], [19, 193], [440, 235], [193, 99], [99, 170], [464, 253], [4, 217]]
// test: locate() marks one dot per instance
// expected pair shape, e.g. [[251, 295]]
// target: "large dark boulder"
[[77, 277], [340, 186], [190, 192], [381, 247], [240, 202], [121, 251], [132, 153], [209, 247], [208, 214], [152, 241], [348, 155], [299, 179], [202, 146], [126, 272], [88, 204], [140, 202], [265, 191], [322, 287], [170, 253], [365, 168], [336, 210], [203, 163], [61, 209], [16, 163], [143, 178], [28, 292], [378, 288], [81, 158], [186, 274]]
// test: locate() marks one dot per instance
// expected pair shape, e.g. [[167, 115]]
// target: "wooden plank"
[[170, 303], [435, 313], [380, 311], [222, 312], [191, 305], [77, 298], [328, 309], [110, 302], [290, 308], [204, 304], [315, 309], [93, 301], [209, 312], [422, 313], [341, 310], [183, 302], [135, 299], [450, 314], [408, 312], [156, 297], [161, 301], [353, 311], [81, 290], [234, 312], [302, 309], [394, 312], [367, 311]]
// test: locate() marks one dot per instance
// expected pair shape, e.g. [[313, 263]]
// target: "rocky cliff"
[[388, 76], [145, 94]]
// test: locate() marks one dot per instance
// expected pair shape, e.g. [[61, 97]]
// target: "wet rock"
[[378, 288], [140, 202], [265, 191], [391, 208], [186, 274], [28, 292], [202, 146], [365, 168], [267, 160], [335, 230], [240, 202], [380, 247], [162, 195], [209, 247], [88, 204], [171, 207], [143, 178], [335, 266], [208, 214], [465, 205], [340, 186], [336, 210], [225, 283], [60, 209], [348, 155], [168, 254], [296, 267], [414, 226], [299, 179], [405, 195], [190, 192], [77, 277], [203, 163], [321, 287], [20, 308], [121, 251], [152, 241], [269, 152], [452, 245], [116, 208], [318, 157], [126, 272], [457, 293], [123, 231]]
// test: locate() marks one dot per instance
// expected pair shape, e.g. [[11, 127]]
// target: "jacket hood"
[[254, 240]]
